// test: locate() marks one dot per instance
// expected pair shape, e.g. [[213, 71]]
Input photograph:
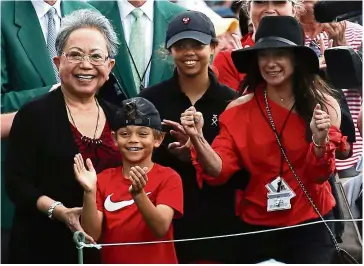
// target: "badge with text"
[[279, 195]]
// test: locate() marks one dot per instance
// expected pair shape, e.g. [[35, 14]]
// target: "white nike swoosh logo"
[[114, 206]]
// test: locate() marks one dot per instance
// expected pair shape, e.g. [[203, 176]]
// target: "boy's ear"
[[113, 136], [158, 141]]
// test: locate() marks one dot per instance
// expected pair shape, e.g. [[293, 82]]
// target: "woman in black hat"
[[284, 131]]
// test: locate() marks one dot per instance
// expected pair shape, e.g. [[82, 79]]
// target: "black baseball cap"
[[137, 111], [190, 25]]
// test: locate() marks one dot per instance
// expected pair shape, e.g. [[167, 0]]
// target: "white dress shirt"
[[41, 8], [127, 20]]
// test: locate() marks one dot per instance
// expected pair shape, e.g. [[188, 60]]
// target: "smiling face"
[[136, 143], [276, 66], [191, 57], [259, 9], [82, 77]]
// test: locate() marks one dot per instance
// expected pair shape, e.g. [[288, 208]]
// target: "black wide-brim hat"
[[277, 32]]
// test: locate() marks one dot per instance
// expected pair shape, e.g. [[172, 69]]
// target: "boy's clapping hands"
[[138, 178]]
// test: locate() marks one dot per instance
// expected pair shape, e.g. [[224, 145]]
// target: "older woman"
[[227, 73], [49, 131]]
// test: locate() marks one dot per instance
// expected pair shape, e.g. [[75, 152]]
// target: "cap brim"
[[195, 35], [242, 58]]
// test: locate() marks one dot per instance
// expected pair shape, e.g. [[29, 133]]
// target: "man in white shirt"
[[26, 62], [142, 60]]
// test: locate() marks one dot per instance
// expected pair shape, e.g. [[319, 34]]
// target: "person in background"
[[142, 27], [155, 190], [360, 121], [208, 211], [245, 25], [281, 136], [223, 8], [47, 133], [353, 186], [320, 36], [256, 10], [27, 71]]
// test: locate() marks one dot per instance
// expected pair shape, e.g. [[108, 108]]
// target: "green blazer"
[[25, 66], [26, 71], [161, 65]]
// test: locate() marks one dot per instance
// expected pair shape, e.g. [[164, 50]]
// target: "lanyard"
[[278, 134], [141, 78]]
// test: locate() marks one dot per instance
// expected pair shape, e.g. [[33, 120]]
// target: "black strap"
[[339, 250], [141, 79], [279, 135]]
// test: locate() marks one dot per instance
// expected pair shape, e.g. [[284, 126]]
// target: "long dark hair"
[[309, 89]]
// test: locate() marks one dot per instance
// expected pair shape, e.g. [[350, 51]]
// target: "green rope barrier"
[[79, 239]]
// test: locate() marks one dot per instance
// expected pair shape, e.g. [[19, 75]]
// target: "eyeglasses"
[[96, 59]]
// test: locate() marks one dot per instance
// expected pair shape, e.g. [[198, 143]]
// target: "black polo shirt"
[[211, 210]]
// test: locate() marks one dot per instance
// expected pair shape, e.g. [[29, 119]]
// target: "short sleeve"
[[99, 195], [170, 193]]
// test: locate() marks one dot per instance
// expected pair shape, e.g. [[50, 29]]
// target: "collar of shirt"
[[211, 92], [41, 8], [126, 8]]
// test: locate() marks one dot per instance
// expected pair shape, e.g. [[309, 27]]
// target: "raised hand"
[[228, 41], [192, 122], [336, 32], [86, 178], [138, 178], [181, 147], [320, 124]]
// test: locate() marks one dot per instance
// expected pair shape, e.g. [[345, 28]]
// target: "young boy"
[[137, 201]]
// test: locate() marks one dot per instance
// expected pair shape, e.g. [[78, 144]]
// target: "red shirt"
[[226, 72], [246, 140], [126, 224]]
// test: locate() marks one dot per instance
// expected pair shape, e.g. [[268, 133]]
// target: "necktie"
[[51, 39], [137, 49]]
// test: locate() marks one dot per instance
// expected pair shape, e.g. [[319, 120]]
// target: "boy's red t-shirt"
[[123, 223]]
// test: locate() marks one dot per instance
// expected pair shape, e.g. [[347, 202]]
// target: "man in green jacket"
[[148, 49], [26, 67]]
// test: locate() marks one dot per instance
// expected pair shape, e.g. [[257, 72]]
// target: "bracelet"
[[52, 207], [322, 145]]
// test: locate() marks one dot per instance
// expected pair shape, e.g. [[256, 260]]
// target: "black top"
[[208, 211], [39, 161]]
